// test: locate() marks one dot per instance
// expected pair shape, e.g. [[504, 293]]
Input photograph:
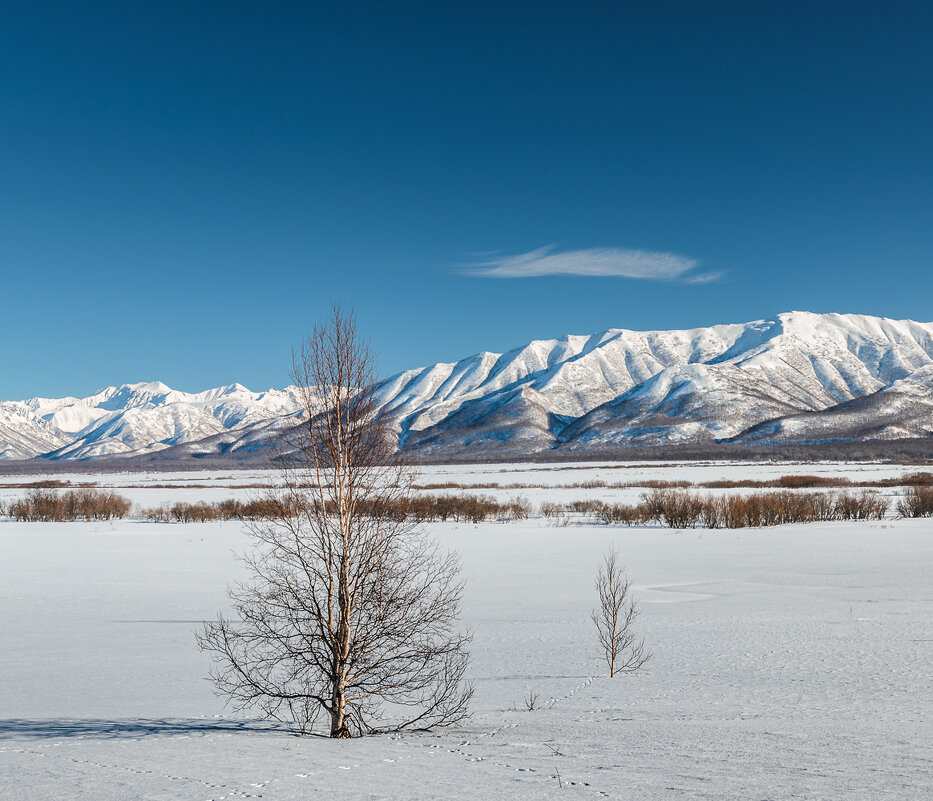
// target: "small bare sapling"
[[614, 619]]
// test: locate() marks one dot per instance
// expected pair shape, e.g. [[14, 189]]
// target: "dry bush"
[[39, 505], [622, 514], [801, 482], [531, 701], [674, 508], [230, 509], [586, 507], [267, 508], [549, 509], [662, 484], [728, 511], [728, 483], [823, 506], [861, 506], [711, 515], [518, 508], [156, 514], [98, 504], [916, 502], [917, 480], [198, 512]]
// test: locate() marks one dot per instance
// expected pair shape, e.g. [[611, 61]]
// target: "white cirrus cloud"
[[601, 262]]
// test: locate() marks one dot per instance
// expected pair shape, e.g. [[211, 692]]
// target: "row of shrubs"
[[203, 512], [676, 508], [51, 506], [684, 509], [420, 508], [47, 505]]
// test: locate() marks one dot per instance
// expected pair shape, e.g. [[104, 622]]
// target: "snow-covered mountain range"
[[136, 420], [798, 378]]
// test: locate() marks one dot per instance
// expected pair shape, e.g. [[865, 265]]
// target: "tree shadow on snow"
[[128, 728]]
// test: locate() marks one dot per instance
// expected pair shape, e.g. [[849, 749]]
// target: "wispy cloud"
[[618, 262]]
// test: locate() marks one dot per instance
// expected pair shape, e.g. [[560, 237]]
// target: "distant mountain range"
[[801, 378]]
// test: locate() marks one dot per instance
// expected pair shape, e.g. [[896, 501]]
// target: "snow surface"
[[790, 662]]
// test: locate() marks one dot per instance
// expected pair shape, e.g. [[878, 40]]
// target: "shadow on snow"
[[128, 728]]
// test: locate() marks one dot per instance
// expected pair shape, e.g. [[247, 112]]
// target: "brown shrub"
[[97, 504], [268, 508], [157, 514], [661, 484], [199, 512], [916, 502], [712, 515], [801, 482], [674, 508], [917, 480], [728, 483], [230, 509], [622, 514], [518, 508], [861, 506], [586, 507], [548, 509]]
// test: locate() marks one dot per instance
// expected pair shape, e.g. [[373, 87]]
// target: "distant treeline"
[[782, 482], [918, 451]]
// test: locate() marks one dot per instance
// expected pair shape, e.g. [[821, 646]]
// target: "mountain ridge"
[[798, 378]]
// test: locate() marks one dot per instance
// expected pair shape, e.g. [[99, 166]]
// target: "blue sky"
[[185, 188]]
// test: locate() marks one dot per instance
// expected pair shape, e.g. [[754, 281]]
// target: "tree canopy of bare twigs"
[[350, 611], [615, 617]]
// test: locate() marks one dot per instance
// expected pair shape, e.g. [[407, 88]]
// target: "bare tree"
[[614, 618], [350, 610]]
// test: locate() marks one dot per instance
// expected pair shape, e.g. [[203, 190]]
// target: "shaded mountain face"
[[799, 378], [903, 410]]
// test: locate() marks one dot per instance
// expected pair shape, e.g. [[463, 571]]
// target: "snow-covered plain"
[[789, 662]]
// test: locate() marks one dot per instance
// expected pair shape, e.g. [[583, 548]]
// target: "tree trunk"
[[338, 716]]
